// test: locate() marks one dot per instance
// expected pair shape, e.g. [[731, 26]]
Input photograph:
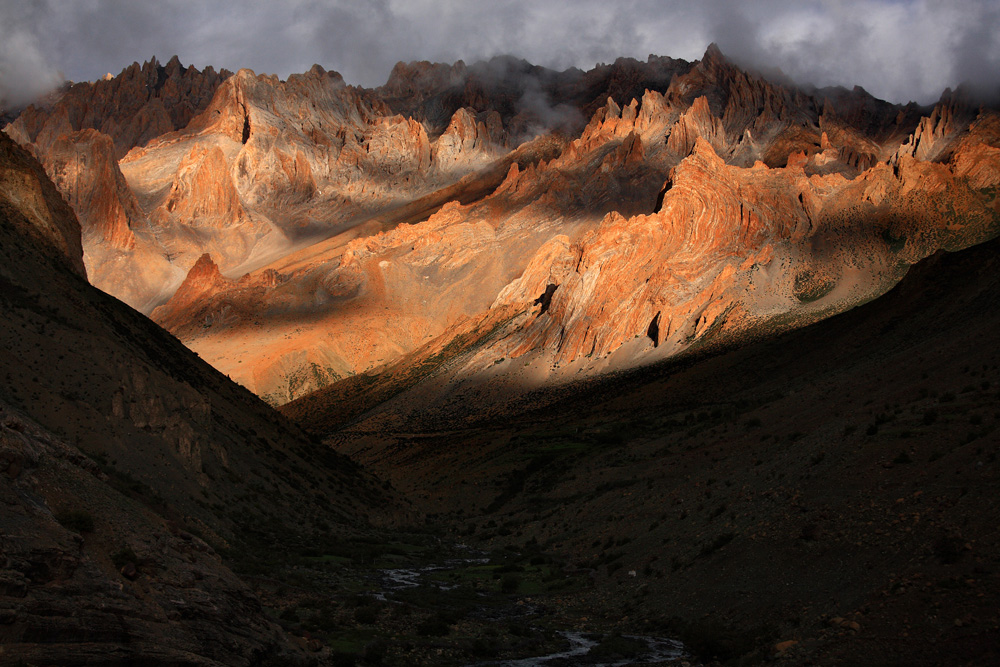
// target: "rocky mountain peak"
[[713, 56]]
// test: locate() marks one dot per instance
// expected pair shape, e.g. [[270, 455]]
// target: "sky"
[[899, 50]]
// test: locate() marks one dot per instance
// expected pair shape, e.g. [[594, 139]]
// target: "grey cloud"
[[897, 49], [900, 50], [977, 52], [545, 116], [25, 72]]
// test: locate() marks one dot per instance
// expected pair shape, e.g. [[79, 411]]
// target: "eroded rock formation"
[[350, 227]]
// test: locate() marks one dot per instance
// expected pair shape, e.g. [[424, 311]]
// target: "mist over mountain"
[[899, 51]]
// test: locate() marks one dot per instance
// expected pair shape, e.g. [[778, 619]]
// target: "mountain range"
[[664, 317]]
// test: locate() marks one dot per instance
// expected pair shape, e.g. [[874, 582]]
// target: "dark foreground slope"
[[126, 464], [834, 486]]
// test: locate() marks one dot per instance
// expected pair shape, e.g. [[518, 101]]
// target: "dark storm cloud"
[[25, 70], [899, 50]]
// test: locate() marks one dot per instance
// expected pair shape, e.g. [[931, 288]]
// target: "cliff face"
[[83, 167], [33, 208]]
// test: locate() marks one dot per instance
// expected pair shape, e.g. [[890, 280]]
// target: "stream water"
[[580, 645], [410, 577], [658, 649]]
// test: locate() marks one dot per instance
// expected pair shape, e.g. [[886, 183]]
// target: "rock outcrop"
[[203, 193], [33, 208], [469, 139], [83, 167]]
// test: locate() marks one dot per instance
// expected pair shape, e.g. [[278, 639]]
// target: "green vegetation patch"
[[809, 287], [712, 640], [79, 521], [895, 243]]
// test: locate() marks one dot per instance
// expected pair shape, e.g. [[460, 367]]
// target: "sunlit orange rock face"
[[306, 230], [263, 167], [83, 164], [80, 137], [731, 248], [33, 208], [141, 103]]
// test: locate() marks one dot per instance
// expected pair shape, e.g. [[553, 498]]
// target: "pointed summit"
[[713, 54], [204, 269], [174, 66]]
